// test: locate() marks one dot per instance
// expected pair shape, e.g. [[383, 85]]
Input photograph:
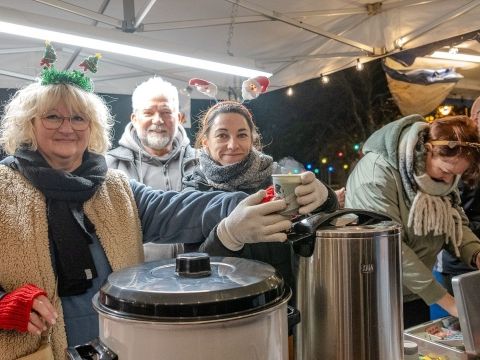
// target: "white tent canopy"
[[293, 40]]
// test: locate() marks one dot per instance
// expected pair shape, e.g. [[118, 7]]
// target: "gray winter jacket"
[[159, 172]]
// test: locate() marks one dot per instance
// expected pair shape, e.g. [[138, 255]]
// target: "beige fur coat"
[[24, 245]]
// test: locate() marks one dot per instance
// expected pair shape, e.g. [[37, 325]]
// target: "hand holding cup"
[[303, 192]]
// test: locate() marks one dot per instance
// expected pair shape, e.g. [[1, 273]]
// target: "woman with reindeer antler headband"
[[230, 159], [67, 222]]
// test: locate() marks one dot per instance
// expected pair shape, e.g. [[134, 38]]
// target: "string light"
[[325, 79], [324, 160], [399, 43], [289, 91], [445, 109], [359, 65], [453, 50], [345, 166]]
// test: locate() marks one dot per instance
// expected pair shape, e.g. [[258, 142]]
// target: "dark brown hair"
[[226, 107], [458, 128]]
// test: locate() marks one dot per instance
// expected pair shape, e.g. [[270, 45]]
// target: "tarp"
[[420, 91], [294, 40]]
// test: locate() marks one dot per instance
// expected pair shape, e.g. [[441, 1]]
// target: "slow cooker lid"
[[158, 290]]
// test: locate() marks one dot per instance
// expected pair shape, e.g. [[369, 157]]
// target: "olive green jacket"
[[375, 184]]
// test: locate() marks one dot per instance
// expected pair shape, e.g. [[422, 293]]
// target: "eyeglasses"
[[53, 121], [453, 144]]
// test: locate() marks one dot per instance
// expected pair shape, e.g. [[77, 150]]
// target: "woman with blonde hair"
[[67, 221]]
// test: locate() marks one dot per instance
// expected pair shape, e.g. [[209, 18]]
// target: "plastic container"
[[410, 350]]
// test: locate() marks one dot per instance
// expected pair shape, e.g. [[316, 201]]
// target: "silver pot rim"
[[139, 319], [156, 291]]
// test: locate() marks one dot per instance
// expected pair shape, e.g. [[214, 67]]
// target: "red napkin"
[[270, 194]]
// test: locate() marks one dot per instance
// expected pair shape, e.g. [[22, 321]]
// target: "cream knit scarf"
[[434, 205]]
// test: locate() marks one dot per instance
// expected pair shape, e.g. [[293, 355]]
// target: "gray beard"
[[155, 141]]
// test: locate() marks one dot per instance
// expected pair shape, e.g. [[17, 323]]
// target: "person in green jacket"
[[410, 171]]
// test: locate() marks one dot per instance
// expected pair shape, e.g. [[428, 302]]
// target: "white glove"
[[311, 194], [341, 197], [252, 222]]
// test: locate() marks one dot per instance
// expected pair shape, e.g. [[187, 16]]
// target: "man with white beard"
[[154, 148]]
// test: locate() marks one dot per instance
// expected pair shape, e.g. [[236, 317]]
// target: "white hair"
[[152, 88]]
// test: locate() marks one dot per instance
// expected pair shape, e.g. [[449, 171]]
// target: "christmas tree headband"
[[251, 88], [50, 75]]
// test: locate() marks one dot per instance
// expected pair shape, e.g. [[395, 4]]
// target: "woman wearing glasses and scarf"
[[410, 171], [67, 220]]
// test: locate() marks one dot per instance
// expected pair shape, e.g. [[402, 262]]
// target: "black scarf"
[[69, 230]]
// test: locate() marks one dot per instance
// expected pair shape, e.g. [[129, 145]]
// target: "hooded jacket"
[[375, 184], [159, 172]]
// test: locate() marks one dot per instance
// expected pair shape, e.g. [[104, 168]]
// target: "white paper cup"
[[284, 186]]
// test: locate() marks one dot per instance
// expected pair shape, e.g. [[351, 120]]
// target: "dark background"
[[318, 122]]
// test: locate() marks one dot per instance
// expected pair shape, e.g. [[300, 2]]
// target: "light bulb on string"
[[325, 79], [185, 92], [289, 91], [445, 109], [453, 50], [359, 65]]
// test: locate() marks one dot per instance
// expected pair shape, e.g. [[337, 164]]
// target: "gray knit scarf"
[[250, 173], [434, 205]]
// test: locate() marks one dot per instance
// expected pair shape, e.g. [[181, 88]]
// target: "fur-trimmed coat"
[[25, 254], [124, 213]]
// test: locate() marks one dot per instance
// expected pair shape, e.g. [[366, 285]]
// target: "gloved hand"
[[311, 194], [341, 197], [251, 222]]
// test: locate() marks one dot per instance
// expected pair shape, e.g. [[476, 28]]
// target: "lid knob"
[[193, 265]]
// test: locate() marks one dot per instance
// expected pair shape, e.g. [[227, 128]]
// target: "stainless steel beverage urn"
[[349, 287]]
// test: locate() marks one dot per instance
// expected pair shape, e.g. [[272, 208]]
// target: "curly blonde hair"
[[16, 129]]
